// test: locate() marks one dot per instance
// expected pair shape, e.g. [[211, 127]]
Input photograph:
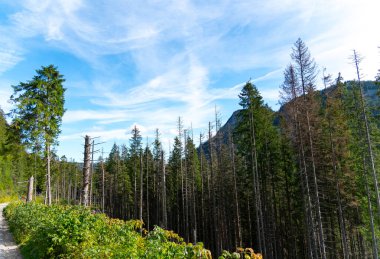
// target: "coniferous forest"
[[300, 182]]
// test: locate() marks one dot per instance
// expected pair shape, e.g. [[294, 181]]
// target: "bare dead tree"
[[86, 171], [164, 212], [371, 161]]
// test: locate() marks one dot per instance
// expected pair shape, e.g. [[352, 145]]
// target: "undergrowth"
[[8, 198], [75, 232], [60, 231]]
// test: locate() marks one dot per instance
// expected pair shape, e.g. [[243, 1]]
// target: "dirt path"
[[8, 248]]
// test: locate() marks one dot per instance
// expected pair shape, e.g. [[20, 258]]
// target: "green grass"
[[8, 198]]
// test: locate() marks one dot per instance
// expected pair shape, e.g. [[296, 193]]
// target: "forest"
[[300, 182]]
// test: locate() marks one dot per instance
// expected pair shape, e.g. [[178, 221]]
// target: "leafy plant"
[[75, 232]]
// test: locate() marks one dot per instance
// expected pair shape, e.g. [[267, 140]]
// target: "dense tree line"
[[298, 183], [18, 163]]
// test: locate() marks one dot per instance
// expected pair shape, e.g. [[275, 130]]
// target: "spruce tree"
[[135, 149], [249, 120], [39, 107]]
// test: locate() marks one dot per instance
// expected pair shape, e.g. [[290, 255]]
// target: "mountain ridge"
[[371, 91]]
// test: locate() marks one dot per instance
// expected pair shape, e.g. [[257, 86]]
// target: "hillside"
[[371, 94]]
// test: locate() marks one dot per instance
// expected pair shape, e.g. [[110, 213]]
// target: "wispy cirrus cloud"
[[153, 61], [93, 30], [230, 34], [8, 59], [10, 51]]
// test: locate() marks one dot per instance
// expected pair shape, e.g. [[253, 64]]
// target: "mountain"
[[371, 92], [223, 132]]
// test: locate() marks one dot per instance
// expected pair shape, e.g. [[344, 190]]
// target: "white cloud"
[[82, 115], [187, 84], [8, 59], [5, 93], [176, 47], [10, 51], [5, 105], [105, 135], [203, 30]]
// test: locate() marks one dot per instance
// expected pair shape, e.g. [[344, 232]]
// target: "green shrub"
[[74, 232]]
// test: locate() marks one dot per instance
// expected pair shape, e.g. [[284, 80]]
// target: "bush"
[[74, 232], [247, 253]]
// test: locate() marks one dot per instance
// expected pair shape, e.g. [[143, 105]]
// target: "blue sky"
[[145, 63]]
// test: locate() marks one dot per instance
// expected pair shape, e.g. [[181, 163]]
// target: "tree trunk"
[[309, 219], [370, 211], [194, 216], [103, 185], [135, 187], [214, 222], [187, 227], [164, 214], [76, 188], [255, 182], [91, 172], [35, 174], [48, 180], [238, 228], [147, 189], [203, 225], [249, 222], [30, 189], [141, 187], [336, 177], [368, 136], [86, 171], [316, 192]]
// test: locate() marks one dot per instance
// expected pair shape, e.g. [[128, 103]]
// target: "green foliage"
[[135, 141], [3, 130], [8, 198], [16, 165], [161, 243], [39, 107], [250, 117], [75, 232], [37, 116], [247, 253], [6, 184]]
